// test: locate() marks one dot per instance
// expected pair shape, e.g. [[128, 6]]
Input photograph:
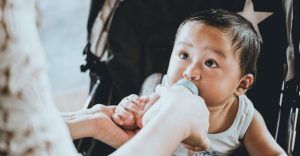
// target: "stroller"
[[131, 40]]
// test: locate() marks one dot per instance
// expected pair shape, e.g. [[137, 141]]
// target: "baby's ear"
[[245, 82]]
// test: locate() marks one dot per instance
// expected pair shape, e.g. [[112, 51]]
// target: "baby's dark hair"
[[244, 38]]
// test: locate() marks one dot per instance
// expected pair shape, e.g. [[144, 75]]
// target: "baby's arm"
[[128, 111], [259, 141]]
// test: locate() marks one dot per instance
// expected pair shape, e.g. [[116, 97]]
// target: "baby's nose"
[[192, 72]]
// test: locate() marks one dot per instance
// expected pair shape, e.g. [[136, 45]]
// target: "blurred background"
[[63, 34]]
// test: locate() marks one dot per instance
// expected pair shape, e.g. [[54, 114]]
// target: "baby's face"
[[205, 55]]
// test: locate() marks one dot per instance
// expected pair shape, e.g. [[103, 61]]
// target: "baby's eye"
[[184, 55], [211, 63]]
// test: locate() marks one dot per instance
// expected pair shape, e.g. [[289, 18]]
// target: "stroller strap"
[[101, 27]]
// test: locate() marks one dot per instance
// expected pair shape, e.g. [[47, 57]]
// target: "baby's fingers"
[[116, 118], [130, 106], [133, 103], [124, 114]]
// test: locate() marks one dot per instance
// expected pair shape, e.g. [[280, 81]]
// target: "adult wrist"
[[80, 126]]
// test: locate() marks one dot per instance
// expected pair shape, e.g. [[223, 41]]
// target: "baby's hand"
[[128, 112]]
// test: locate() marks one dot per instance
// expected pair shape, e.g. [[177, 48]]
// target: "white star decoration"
[[254, 17]]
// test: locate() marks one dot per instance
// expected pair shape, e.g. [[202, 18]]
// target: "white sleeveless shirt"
[[224, 143]]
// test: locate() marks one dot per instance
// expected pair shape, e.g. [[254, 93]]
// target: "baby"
[[217, 50]]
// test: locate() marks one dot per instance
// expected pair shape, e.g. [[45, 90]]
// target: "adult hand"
[[190, 111], [181, 116], [96, 122]]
